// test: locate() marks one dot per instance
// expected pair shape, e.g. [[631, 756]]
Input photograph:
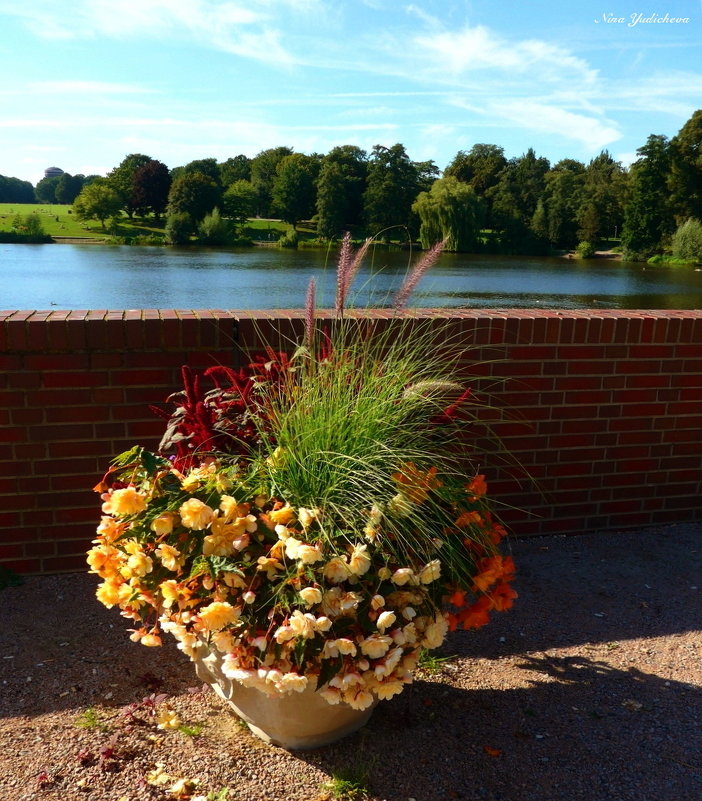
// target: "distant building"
[[52, 172]]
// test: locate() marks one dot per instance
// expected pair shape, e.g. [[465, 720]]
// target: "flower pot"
[[296, 721]]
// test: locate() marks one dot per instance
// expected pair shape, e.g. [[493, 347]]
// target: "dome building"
[[52, 172]]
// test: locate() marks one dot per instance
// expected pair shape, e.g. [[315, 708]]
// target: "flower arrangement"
[[310, 518]]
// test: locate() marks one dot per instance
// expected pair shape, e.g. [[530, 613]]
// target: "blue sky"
[[86, 82]]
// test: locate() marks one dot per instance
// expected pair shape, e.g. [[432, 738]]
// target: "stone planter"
[[296, 721]]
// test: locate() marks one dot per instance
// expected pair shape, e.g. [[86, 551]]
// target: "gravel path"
[[590, 689]]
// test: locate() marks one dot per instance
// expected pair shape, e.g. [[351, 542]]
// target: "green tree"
[[514, 199], [685, 180], [150, 187], [14, 190], [391, 188], [561, 199], [687, 241], [194, 194], [234, 169], [293, 193], [340, 187], [239, 201], [648, 217], [121, 179], [68, 188], [263, 174], [480, 168], [45, 190], [332, 201], [97, 201], [449, 211], [604, 193]]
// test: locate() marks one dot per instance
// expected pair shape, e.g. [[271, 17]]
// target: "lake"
[[127, 277]]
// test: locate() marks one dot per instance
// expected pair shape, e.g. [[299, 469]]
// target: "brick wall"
[[603, 409]]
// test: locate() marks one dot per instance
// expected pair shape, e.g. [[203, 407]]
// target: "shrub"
[[687, 241], [214, 230], [179, 226], [288, 240], [585, 250]]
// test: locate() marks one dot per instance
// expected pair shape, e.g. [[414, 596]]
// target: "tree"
[[332, 201], [121, 179], [263, 174], [194, 194], [45, 190], [562, 194], [449, 211], [68, 188], [514, 198], [14, 190], [340, 187], [150, 187], [97, 201], [601, 210], [391, 188], [235, 169], [685, 180], [293, 192], [479, 168], [239, 201], [208, 167], [648, 217]]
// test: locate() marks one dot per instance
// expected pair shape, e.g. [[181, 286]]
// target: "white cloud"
[[469, 51], [592, 133], [250, 30]]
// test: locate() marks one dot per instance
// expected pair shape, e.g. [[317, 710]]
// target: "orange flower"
[[476, 615], [477, 488], [414, 484], [493, 569], [502, 597], [458, 598], [469, 519]]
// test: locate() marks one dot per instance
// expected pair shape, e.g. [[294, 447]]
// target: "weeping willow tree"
[[449, 211]]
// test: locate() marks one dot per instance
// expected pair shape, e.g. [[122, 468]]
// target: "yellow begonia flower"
[[218, 614], [376, 645], [195, 514], [105, 560], [138, 565], [402, 575], [336, 570], [284, 515], [124, 502], [227, 537], [386, 620], [111, 593], [360, 561], [311, 596], [163, 524], [430, 572], [270, 566], [110, 529], [171, 558], [232, 508]]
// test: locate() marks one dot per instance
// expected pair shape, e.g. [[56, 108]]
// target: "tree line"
[[482, 201]]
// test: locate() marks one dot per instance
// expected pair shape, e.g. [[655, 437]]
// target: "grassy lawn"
[[59, 220]]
